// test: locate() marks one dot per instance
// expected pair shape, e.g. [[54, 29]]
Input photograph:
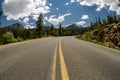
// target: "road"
[[60, 58]]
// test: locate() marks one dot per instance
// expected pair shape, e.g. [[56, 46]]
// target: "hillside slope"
[[108, 35]]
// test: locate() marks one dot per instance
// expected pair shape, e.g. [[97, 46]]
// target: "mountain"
[[17, 29], [73, 26], [76, 29]]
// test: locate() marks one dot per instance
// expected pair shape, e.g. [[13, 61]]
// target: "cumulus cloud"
[[81, 23], [26, 20], [84, 17], [112, 5], [23, 9], [56, 21]]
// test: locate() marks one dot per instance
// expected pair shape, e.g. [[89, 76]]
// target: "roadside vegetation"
[[104, 32], [17, 32]]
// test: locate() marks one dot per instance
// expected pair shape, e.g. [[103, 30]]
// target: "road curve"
[[61, 58]]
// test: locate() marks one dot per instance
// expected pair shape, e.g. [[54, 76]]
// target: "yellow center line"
[[54, 64], [64, 72]]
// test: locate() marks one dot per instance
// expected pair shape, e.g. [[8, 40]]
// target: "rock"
[[109, 35]]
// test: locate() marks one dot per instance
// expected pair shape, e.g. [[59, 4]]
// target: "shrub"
[[19, 39], [8, 38]]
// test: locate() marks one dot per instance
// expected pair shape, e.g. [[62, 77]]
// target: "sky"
[[56, 12]]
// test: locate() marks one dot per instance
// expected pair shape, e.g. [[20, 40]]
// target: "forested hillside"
[[105, 31], [17, 32]]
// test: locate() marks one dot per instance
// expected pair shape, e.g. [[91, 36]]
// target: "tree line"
[[16, 32], [98, 23], [106, 31]]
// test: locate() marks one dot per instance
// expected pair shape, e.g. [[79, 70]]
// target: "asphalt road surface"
[[61, 58]]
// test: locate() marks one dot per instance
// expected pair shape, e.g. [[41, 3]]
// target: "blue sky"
[[65, 12]]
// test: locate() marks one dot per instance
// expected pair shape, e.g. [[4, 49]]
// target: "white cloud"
[[56, 21], [20, 9], [89, 2], [118, 11], [50, 4], [45, 18], [29, 26], [15, 9], [66, 25], [26, 20], [67, 3], [57, 9], [84, 17], [81, 23], [113, 5], [72, 1]]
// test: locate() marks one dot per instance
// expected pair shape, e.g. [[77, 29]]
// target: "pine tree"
[[48, 31], [0, 17], [52, 29], [99, 20], [110, 19], [104, 22], [60, 30], [91, 26], [0, 27], [40, 26]]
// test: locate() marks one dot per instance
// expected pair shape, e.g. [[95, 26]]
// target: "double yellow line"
[[63, 68]]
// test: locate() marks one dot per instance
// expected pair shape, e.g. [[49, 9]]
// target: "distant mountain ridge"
[[73, 26], [17, 29]]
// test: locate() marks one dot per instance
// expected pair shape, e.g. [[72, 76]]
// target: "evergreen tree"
[[0, 17], [96, 20], [104, 21], [91, 26], [0, 27], [119, 18], [52, 29], [99, 20], [48, 31], [110, 19], [0, 21], [40, 26], [60, 30]]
